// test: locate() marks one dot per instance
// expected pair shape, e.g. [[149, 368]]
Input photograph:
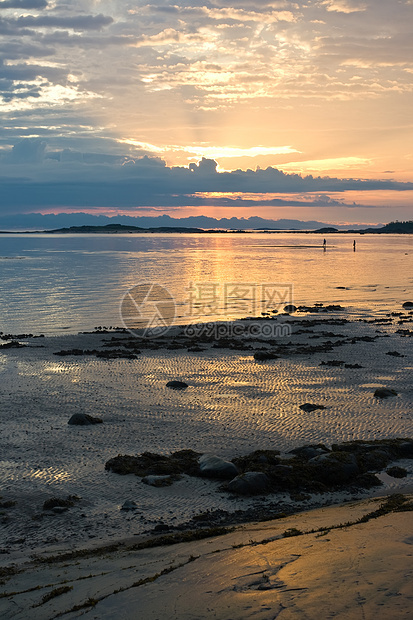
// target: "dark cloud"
[[23, 4], [23, 72], [60, 38], [72, 179], [77, 22], [26, 151], [10, 29], [14, 50], [13, 93], [16, 81]]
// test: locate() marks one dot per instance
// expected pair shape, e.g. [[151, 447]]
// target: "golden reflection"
[[49, 473]]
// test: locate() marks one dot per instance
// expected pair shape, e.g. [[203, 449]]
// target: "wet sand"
[[360, 570], [234, 404]]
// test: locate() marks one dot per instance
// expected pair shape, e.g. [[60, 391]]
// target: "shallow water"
[[51, 283]]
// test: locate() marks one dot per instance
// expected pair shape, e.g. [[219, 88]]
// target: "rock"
[[396, 472], [58, 502], [407, 305], [129, 505], [335, 468], [214, 467], [394, 354], [83, 419], [310, 451], [374, 460], [332, 363], [290, 308], [259, 460], [262, 356], [395, 448], [406, 449], [309, 407], [158, 481], [177, 385], [249, 483], [150, 464], [384, 393]]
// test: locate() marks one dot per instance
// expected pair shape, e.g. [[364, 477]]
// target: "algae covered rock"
[[151, 464], [335, 468]]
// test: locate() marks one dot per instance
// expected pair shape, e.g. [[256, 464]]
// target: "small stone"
[[262, 356], [396, 472], [59, 502], [83, 419], [129, 505], [158, 481], [177, 385], [407, 305], [309, 407], [384, 393], [290, 308]]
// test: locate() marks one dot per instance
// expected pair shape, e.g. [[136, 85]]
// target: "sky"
[[266, 108]]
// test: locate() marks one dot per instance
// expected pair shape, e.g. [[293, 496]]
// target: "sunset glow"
[[130, 95]]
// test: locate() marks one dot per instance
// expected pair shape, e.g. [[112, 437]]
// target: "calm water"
[[51, 283]]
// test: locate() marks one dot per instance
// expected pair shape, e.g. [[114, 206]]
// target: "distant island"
[[391, 228], [394, 227], [122, 228]]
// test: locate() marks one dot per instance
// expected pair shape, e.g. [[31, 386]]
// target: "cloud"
[[345, 6], [105, 82], [78, 22], [26, 152], [23, 4], [32, 176]]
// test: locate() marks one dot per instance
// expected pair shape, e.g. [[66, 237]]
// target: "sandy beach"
[[352, 561], [234, 404]]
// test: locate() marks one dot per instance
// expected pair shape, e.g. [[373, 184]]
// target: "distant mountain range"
[[38, 221]]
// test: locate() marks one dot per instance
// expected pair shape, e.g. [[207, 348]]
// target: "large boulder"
[[83, 419], [212, 466], [335, 468], [249, 483]]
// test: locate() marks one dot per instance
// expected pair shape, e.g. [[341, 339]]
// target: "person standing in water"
[[324, 245], [354, 245]]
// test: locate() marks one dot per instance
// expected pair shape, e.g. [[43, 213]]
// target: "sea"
[[67, 283]]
